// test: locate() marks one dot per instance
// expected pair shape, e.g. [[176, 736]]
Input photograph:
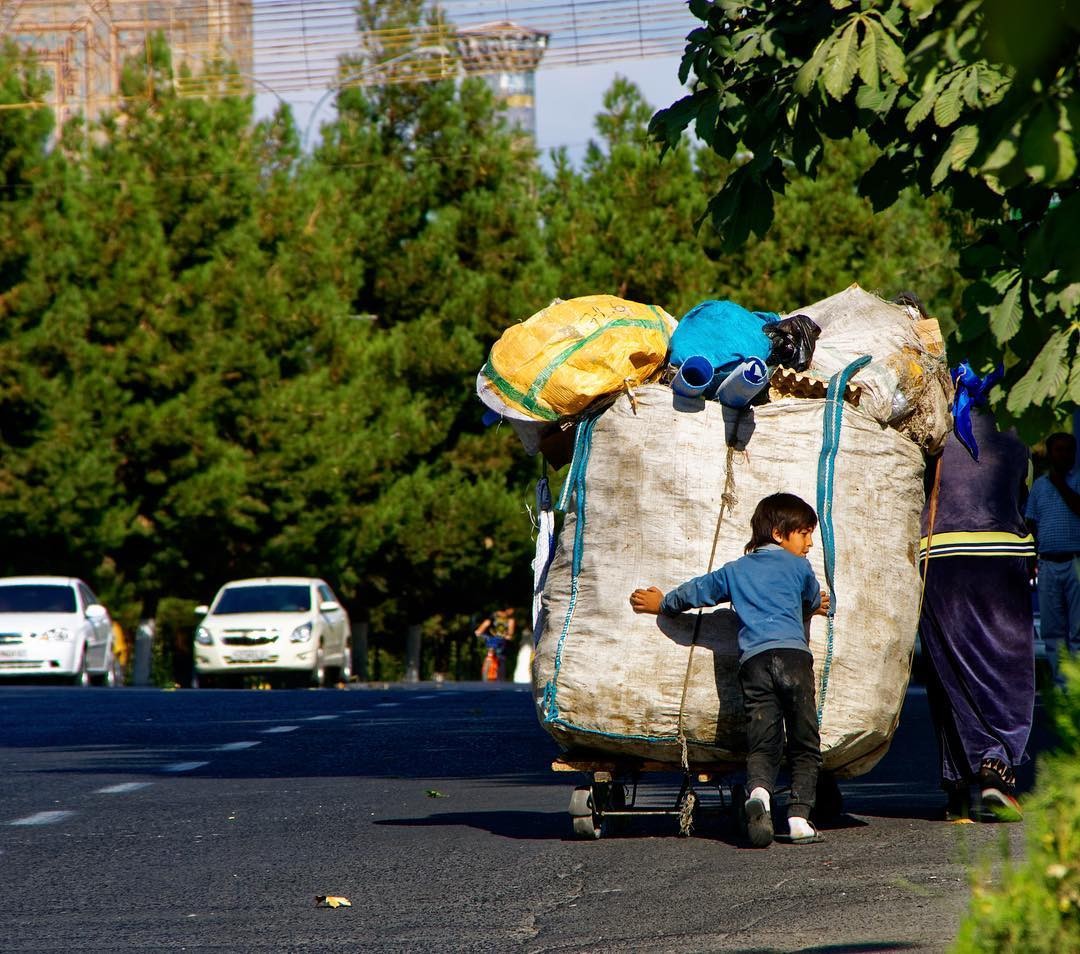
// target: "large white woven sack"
[[608, 680], [904, 385]]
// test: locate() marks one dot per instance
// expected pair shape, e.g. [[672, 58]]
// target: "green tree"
[[59, 502], [625, 224], [154, 323], [432, 203], [963, 98], [225, 357], [825, 236]]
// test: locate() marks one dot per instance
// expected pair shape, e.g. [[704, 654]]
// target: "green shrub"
[[1034, 908]]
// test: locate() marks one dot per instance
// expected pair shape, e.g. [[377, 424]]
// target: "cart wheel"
[[582, 813], [608, 797], [828, 801]]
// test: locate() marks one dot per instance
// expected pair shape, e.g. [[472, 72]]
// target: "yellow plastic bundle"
[[556, 363]]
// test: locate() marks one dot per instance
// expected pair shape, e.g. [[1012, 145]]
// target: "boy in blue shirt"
[[774, 592]]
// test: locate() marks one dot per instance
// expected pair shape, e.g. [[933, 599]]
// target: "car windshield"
[[37, 598], [264, 599]]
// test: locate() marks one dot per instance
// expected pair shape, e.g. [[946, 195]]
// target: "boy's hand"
[[647, 600], [823, 609]]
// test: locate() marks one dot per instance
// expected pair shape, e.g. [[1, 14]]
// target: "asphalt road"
[[141, 820]]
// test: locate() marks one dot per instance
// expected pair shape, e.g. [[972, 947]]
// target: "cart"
[[611, 798]]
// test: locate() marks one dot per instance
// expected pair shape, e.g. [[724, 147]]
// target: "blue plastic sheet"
[[723, 332]]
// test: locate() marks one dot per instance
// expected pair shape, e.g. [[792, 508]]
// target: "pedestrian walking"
[[774, 592], [1053, 514], [497, 631], [976, 622]]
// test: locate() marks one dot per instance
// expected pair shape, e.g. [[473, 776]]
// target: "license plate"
[[12, 653], [249, 655]]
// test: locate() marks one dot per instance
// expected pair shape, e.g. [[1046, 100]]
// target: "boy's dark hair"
[[783, 512]]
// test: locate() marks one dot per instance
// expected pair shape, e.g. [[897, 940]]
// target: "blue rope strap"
[[830, 444], [574, 486]]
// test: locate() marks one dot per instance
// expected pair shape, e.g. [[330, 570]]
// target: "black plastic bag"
[[793, 341]]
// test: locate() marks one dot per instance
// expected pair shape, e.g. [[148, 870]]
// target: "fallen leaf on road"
[[434, 793], [331, 901]]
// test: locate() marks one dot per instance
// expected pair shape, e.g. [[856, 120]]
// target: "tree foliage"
[[224, 356], [974, 99]]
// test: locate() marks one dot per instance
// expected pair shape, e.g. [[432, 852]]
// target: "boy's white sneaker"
[[759, 827]]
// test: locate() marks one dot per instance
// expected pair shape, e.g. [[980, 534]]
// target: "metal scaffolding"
[[84, 44]]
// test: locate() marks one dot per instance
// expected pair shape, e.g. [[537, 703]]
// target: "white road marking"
[[320, 718], [386, 705], [123, 788], [279, 729], [236, 746], [43, 818], [183, 766]]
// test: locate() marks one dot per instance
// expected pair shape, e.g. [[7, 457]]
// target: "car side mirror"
[[328, 606], [202, 609], [96, 611]]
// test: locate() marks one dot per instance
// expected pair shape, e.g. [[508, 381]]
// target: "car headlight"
[[203, 637], [301, 634], [59, 634]]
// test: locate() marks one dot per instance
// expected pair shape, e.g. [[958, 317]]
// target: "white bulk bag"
[[645, 512]]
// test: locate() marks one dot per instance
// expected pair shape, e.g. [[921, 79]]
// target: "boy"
[[774, 592]]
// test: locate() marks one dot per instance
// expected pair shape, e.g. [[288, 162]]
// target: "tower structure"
[[507, 55], [84, 43]]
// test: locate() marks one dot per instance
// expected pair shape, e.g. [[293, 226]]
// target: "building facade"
[[507, 55], [84, 44]]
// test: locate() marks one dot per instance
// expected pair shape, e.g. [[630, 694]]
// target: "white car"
[[282, 626], [55, 626]]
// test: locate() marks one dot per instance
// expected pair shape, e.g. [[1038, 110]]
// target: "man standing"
[[1053, 513]]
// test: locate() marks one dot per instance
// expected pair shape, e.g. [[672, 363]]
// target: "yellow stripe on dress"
[[978, 543]]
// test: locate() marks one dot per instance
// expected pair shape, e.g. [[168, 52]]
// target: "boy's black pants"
[[778, 693]]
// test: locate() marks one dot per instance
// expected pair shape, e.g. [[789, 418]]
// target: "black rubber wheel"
[[586, 822], [608, 797]]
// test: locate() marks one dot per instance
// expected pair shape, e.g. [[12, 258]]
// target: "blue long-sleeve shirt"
[[772, 592]]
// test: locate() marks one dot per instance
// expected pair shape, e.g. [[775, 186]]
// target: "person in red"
[[498, 633]]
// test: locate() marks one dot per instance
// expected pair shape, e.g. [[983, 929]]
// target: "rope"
[[830, 444], [727, 502]]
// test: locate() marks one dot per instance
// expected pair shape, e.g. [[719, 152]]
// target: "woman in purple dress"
[[976, 626]]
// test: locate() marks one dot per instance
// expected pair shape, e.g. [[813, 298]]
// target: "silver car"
[[293, 628], [55, 626]]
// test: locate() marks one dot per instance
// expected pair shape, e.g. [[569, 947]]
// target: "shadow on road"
[[529, 826]]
